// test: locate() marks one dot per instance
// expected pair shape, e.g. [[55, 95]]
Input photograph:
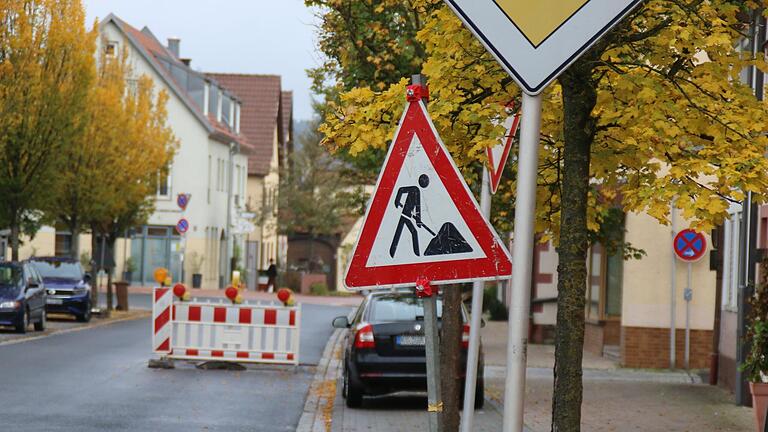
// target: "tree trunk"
[[450, 358], [311, 266], [94, 270], [74, 248], [15, 240], [579, 98], [110, 246]]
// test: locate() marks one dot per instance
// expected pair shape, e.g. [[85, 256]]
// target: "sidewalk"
[[615, 399]]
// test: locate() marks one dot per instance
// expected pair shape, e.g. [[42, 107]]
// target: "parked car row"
[[384, 349], [30, 289]]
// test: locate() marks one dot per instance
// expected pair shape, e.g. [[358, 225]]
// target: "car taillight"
[[465, 336], [364, 337]]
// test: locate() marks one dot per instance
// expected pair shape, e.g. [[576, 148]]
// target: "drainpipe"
[[718, 238], [234, 148]]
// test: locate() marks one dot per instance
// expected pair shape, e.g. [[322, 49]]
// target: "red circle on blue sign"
[[690, 245], [182, 226]]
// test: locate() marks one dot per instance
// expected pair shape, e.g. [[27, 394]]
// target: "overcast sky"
[[242, 36]]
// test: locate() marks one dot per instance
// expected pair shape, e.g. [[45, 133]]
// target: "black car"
[[384, 348], [22, 296], [67, 285]]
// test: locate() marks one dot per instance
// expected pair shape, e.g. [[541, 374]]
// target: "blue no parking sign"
[[690, 245], [182, 226]]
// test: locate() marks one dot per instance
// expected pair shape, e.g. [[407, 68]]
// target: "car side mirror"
[[340, 322], [87, 277]]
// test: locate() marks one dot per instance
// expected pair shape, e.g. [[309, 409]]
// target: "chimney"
[[174, 44], [186, 61]]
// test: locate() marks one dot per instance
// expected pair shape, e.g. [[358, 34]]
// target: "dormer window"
[[111, 49]]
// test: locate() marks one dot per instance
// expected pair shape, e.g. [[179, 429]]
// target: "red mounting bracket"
[[417, 92], [424, 288]]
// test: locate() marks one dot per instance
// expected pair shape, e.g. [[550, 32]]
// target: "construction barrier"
[[218, 331]]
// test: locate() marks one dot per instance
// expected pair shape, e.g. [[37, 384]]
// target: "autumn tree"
[[46, 67], [315, 198], [365, 43], [654, 113], [133, 156]]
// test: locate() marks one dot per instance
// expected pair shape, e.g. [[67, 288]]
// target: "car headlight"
[[9, 305], [79, 291]]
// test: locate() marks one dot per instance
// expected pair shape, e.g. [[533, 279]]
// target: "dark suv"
[[384, 347], [22, 296], [68, 286]]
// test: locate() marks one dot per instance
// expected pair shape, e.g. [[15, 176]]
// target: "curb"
[[320, 397], [74, 329]]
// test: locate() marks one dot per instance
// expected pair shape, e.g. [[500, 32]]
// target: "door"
[[35, 293]]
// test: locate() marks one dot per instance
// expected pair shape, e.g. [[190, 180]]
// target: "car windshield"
[[58, 269], [10, 276], [397, 308]]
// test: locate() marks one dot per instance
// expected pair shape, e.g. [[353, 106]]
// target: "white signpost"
[[535, 41]]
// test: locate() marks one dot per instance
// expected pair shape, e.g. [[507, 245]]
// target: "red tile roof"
[[146, 40], [260, 114]]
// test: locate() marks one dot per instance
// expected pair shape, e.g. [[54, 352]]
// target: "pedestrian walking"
[[272, 275]]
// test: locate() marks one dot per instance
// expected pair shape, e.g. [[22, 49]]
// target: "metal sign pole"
[[673, 293], [688, 298], [432, 344], [473, 352], [522, 256]]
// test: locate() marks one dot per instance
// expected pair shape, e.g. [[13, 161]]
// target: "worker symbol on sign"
[[447, 241]]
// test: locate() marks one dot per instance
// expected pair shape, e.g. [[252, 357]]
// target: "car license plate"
[[54, 301], [408, 340]]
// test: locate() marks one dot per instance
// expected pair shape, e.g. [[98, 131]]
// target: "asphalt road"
[[97, 380]]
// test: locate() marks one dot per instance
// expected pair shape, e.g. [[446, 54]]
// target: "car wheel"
[[22, 326], [40, 325], [85, 316], [353, 392]]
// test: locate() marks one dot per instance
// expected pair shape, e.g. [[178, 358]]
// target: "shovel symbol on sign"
[[446, 242]]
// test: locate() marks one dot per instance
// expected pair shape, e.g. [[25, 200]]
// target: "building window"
[[213, 100], [110, 49], [63, 243], [731, 251], [210, 161], [226, 115], [164, 184], [605, 277]]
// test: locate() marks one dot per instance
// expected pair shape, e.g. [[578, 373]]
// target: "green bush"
[[491, 304], [318, 289]]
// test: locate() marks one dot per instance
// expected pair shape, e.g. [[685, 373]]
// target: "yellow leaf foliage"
[[673, 118]]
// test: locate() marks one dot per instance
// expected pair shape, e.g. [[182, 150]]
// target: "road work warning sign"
[[423, 221]]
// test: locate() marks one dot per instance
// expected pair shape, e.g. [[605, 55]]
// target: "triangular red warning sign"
[[498, 154], [423, 221]]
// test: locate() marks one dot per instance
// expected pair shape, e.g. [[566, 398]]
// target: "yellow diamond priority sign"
[[536, 40]]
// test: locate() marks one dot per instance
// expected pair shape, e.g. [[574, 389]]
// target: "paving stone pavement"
[[615, 399], [400, 413]]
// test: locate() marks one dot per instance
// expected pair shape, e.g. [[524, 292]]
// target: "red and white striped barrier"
[[245, 333], [162, 307]]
